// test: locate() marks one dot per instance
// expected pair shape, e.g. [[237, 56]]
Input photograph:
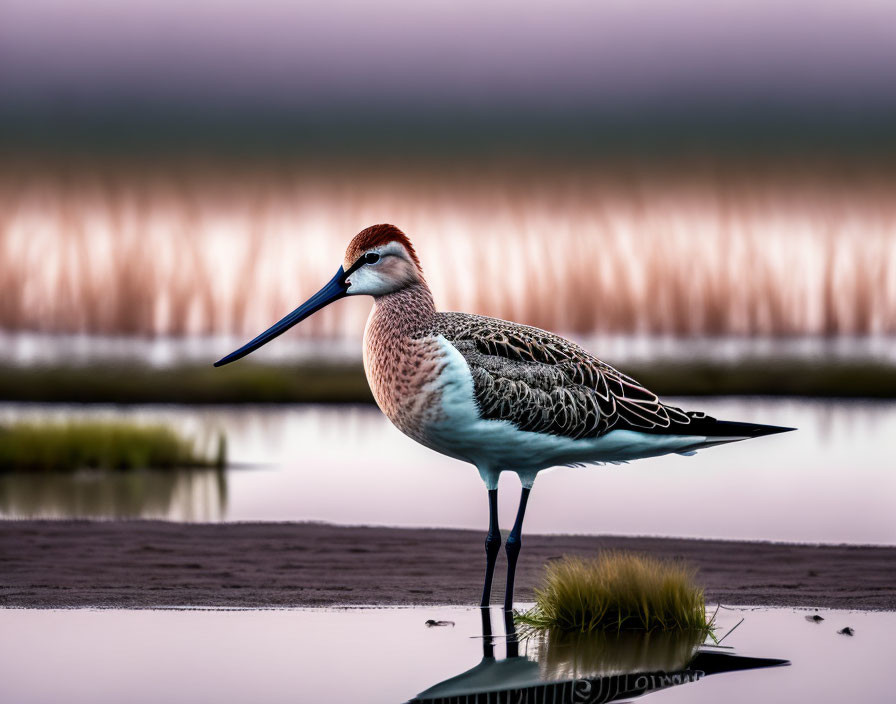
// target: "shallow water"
[[832, 481], [390, 655]]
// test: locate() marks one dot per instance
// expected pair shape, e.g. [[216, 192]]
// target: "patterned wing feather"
[[544, 383]]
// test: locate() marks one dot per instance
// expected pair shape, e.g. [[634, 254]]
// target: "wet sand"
[[146, 564]]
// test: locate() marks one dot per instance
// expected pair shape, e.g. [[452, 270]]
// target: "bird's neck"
[[405, 310], [399, 364]]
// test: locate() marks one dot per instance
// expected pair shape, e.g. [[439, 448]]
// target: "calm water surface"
[[390, 655], [832, 481]]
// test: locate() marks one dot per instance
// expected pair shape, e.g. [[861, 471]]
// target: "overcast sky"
[[461, 53]]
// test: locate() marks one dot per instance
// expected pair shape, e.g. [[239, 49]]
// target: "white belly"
[[497, 445]]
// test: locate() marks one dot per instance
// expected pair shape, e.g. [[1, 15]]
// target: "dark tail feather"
[[721, 432], [710, 427]]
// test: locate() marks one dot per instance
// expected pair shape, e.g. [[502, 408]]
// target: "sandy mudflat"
[[155, 564]]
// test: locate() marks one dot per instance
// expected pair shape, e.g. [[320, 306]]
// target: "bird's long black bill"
[[334, 290]]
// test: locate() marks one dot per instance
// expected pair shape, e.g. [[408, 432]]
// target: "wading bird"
[[499, 395]]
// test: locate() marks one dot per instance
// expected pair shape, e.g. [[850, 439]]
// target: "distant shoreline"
[[154, 564], [344, 382]]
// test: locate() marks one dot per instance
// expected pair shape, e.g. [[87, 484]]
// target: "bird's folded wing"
[[543, 383]]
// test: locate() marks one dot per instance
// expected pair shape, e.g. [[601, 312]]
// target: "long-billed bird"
[[499, 395]]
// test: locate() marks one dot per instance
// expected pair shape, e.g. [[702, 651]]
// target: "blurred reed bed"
[[198, 248]]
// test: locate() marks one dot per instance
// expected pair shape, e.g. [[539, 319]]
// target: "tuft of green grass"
[[618, 591], [105, 445]]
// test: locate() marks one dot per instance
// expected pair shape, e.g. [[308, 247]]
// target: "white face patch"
[[392, 271], [367, 281]]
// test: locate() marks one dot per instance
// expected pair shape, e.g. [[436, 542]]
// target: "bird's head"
[[378, 261]]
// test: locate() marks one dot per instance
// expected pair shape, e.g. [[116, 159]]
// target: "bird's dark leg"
[[492, 545], [512, 546]]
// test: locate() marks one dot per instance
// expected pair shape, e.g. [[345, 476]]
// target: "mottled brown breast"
[[403, 371]]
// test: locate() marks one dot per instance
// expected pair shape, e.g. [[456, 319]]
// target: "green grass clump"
[[105, 445], [618, 591]]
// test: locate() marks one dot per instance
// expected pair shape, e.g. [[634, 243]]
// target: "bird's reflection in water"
[[585, 668]]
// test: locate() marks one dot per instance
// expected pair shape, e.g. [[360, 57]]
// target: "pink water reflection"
[[831, 482], [380, 655]]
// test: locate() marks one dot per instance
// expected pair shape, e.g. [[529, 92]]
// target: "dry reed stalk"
[[12, 278]]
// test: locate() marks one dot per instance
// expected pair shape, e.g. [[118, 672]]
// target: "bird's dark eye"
[[371, 258]]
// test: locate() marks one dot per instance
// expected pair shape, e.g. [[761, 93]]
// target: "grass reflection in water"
[[175, 494]]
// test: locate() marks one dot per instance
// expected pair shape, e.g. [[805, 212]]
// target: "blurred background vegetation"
[[702, 195], [680, 188]]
